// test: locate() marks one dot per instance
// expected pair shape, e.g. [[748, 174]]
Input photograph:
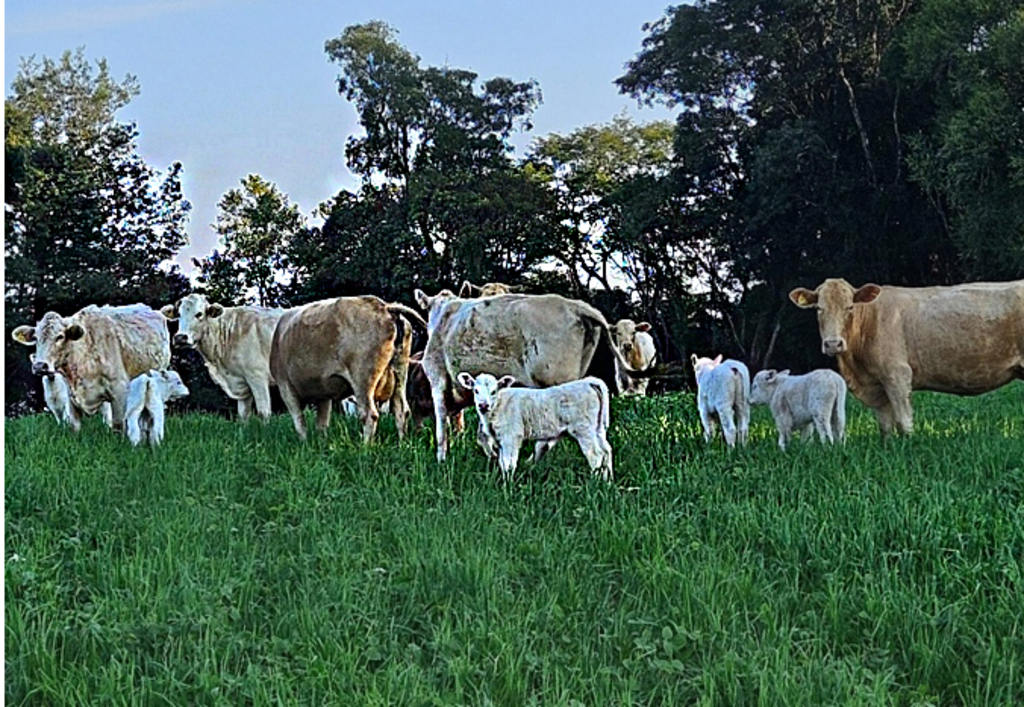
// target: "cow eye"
[[199, 315], [60, 337]]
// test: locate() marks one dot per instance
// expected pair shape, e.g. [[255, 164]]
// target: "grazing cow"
[[540, 340], [510, 416], [470, 291], [967, 339], [58, 401], [330, 349], [148, 395], [235, 345], [815, 399], [723, 393], [99, 350], [637, 347]]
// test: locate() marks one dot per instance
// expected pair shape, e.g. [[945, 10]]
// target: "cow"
[[99, 350], [469, 290], [723, 394], [637, 347], [540, 340], [510, 416], [57, 395], [888, 341], [148, 395], [815, 400], [333, 348], [235, 345]]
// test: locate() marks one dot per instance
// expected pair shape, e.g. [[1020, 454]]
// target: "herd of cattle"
[[537, 367]]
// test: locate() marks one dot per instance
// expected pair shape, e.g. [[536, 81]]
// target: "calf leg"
[[742, 421], [725, 418], [132, 423], [156, 431], [838, 420], [708, 422], [508, 455], [823, 427], [543, 447]]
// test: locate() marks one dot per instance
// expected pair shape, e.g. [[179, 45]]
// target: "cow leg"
[[440, 421], [323, 414], [400, 409], [886, 419], [543, 447], [368, 414], [897, 388], [118, 406], [291, 401], [261, 398], [244, 408], [105, 411], [458, 422], [74, 415]]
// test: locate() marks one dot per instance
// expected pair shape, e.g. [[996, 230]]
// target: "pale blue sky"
[[232, 87]]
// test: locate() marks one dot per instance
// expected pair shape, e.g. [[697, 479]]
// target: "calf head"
[[702, 364], [193, 314], [485, 388], [173, 388], [834, 300], [53, 337], [764, 385]]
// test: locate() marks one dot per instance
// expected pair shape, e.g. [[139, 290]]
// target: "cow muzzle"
[[182, 339], [42, 368], [833, 347], [484, 407]]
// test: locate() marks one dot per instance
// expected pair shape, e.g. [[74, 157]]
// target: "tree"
[[87, 220], [256, 224]]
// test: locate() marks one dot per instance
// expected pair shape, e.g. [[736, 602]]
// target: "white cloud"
[[83, 17]]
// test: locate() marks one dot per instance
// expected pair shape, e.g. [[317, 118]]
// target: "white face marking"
[[485, 390], [191, 315]]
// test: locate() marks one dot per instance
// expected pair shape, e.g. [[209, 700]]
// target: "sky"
[[235, 87]]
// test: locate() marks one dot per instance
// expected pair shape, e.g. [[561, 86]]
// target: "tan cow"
[[330, 349], [637, 347], [469, 290], [99, 350], [540, 340], [235, 345], [967, 339]]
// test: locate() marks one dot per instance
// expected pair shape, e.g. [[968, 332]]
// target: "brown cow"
[[330, 349], [421, 404], [541, 340], [967, 339]]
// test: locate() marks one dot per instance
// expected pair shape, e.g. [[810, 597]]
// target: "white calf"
[[798, 402], [511, 415], [723, 392], [57, 395], [147, 396]]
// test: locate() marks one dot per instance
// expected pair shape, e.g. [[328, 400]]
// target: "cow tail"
[[395, 308]]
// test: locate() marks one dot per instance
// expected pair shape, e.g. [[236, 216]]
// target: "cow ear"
[[718, 359], [465, 380], [170, 312], [506, 381], [214, 310], [867, 293], [74, 332], [693, 360], [466, 290], [421, 299], [804, 298], [643, 326], [25, 335]]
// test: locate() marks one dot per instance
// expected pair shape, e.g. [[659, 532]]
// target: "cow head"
[[764, 385], [193, 314], [53, 337], [624, 333], [434, 306], [485, 388], [834, 300]]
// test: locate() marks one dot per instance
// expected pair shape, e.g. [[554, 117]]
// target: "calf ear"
[[643, 326], [693, 360], [170, 312], [804, 298], [25, 335], [506, 381], [867, 293], [784, 373], [465, 380], [769, 375], [74, 332], [421, 299], [214, 310]]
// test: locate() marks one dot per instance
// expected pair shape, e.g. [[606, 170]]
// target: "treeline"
[[876, 141]]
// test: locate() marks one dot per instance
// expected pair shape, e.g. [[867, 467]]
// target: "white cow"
[[511, 415], [637, 347], [235, 345], [723, 393], [57, 395], [817, 398], [148, 394]]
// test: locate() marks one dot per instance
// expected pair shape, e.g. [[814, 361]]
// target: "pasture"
[[237, 566]]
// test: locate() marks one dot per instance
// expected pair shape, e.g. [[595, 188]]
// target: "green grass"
[[235, 565]]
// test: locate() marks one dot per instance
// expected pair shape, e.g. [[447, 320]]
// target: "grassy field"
[[237, 566]]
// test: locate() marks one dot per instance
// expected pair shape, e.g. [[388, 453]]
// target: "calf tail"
[[839, 414], [604, 412]]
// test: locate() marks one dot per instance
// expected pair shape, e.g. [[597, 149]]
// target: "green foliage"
[[237, 565], [87, 220]]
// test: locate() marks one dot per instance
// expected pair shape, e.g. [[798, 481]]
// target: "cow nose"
[[831, 347], [484, 407], [180, 339], [40, 368]]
